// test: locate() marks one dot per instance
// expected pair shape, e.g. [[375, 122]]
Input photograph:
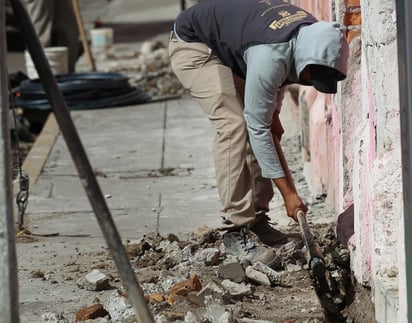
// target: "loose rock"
[[119, 308], [232, 271], [273, 276], [96, 281], [91, 312], [257, 276]]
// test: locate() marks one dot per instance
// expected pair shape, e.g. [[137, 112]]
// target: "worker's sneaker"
[[267, 234], [244, 245]]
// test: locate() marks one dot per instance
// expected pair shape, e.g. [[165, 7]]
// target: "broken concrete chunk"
[[167, 279], [213, 290], [209, 256], [233, 271], [95, 281], [235, 289], [119, 308], [257, 276], [227, 317], [171, 248], [219, 313], [192, 318], [187, 253], [151, 288], [274, 277], [212, 287]]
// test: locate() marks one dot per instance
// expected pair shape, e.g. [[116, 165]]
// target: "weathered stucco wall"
[[351, 145], [318, 110], [384, 176]]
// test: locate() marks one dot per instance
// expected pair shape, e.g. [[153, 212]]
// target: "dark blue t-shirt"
[[229, 27]]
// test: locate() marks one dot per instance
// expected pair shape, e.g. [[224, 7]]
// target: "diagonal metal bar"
[[9, 304], [84, 169]]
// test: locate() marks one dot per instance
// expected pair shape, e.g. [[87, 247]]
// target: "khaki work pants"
[[244, 193]]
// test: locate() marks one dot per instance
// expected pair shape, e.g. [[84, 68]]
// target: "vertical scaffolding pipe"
[[404, 29], [84, 169], [9, 308]]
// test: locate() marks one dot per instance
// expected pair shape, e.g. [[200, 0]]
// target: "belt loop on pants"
[[173, 36]]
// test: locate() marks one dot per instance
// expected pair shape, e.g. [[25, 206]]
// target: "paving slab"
[[140, 166], [50, 290]]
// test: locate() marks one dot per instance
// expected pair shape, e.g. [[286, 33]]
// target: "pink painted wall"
[[341, 139], [323, 140], [331, 126], [352, 138], [352, 149]]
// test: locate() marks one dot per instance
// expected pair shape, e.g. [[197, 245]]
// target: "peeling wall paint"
[[352, 140]]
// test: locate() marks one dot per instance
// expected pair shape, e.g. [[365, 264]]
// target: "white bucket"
[[101, 37], [58, 61]]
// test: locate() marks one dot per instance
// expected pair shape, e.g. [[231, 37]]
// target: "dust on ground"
[[194, 280]]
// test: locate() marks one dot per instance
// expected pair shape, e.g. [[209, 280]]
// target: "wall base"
[[386, 300]]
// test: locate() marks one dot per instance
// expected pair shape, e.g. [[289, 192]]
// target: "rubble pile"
[[195, 280], [148, 67]]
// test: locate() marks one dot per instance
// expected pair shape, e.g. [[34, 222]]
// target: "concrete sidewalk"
[[153, 163]]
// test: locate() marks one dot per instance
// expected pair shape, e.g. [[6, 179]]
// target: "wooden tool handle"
[[83, 36]]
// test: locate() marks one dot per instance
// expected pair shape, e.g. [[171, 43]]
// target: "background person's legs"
[[65, 30], [41, 14], [55, 25]]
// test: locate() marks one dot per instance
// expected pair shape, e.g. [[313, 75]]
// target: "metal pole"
[[404, 28], [9, 306], [86, 174]]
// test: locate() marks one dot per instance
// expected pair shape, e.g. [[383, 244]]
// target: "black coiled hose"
[[92, 90]]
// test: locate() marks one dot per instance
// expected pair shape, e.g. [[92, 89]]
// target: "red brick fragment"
[[90, 313]]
